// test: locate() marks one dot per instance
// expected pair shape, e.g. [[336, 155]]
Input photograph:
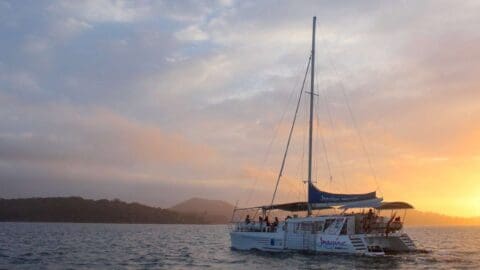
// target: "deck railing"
[[254, 227]]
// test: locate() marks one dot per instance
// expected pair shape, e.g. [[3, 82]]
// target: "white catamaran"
[[364, 232]]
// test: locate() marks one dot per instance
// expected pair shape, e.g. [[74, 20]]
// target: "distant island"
[[77, 209], [192, 211]]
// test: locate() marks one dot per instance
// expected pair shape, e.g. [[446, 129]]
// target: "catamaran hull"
[[371, 245], [257, 241]]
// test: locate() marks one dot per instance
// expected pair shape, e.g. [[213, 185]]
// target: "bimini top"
[[320, 200], [394, 205], [303, 206], [290, 207]]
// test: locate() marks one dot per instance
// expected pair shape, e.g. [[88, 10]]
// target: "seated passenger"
[[247, 219], [274, 225], [388, 229], [267, 222], [260, 223]]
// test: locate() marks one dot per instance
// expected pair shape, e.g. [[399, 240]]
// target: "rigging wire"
[[360, 137], [307, 123], [354, 122], [269, 147], [302, 156], [291, 131], [335, 140], [299, 172], [304, 153], [324, 145]]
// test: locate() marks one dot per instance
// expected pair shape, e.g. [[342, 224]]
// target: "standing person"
[[370, 214], [368, 221], [267, 223], [274, 224], [247, 219]]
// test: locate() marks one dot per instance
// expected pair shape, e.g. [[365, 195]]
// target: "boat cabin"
[[369, 221]]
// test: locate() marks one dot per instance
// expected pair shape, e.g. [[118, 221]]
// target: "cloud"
[[188, 95], [96, 140], [191, 33], [69, 27], [37, 45], [19, 81], [103, 10]]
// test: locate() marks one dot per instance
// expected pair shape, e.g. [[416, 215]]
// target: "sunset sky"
[[160, 101]]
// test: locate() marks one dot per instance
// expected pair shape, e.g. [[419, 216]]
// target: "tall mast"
[[310, 130]]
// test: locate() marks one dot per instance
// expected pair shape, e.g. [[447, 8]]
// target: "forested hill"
[[77, 209], [193, 211], [215, 211]]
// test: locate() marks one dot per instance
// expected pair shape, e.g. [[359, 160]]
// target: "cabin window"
[[306, 226], [313, 227], [327, 223], [317, 226], [344, 228]]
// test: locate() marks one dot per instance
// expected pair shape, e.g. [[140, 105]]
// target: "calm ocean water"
[[117, 246]]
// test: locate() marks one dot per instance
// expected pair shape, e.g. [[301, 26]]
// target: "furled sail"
[[317, 196]]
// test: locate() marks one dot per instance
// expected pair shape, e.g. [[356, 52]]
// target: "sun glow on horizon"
[[182, 100]]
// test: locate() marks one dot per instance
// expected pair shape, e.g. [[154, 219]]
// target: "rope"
[[364, 148], [291, 132], [324, 145], [357, 130], [335, 141], [269, 148]]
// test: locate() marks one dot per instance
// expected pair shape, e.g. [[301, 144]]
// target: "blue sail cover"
[[317, 196]]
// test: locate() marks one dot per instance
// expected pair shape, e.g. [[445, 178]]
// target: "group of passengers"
[[264, 223], [370, 221]]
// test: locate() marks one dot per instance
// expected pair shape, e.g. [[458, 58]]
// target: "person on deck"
[[370, 214], [260, 223], [267, 223], [247, 219], [368, 221], [274, 224], [388, 229]]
